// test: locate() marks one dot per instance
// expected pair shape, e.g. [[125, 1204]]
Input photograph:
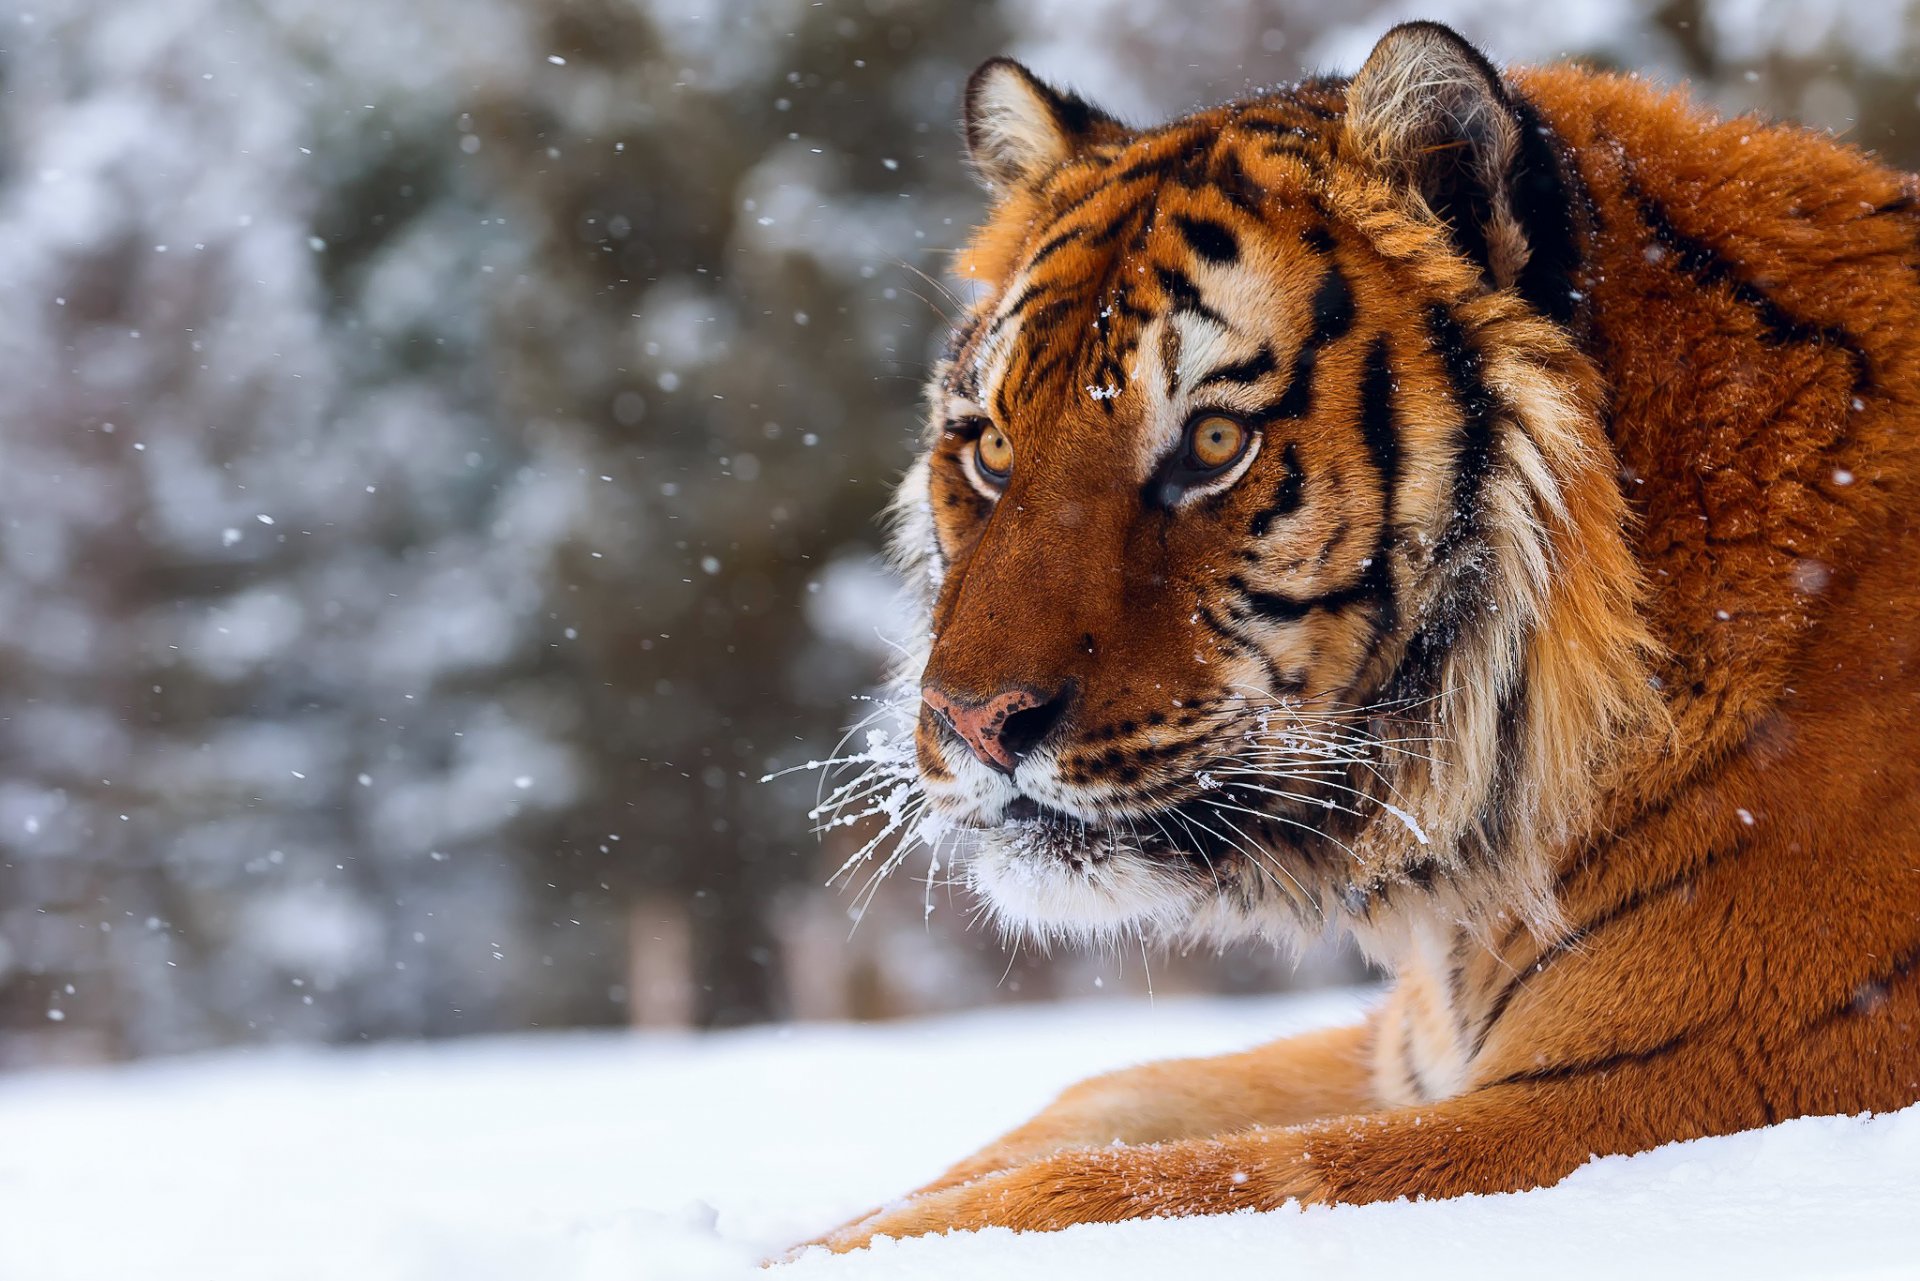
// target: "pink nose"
[[1000, 730]]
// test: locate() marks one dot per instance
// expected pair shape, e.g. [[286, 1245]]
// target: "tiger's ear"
[[1019, 128], [1431, 113]]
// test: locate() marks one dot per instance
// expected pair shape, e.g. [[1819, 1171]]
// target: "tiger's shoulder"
[[1749, 293]]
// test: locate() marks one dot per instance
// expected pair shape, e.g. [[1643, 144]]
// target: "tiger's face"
[[1161, 486], [1247, 489]]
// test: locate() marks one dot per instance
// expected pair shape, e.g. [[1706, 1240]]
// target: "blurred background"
[[440, 447]]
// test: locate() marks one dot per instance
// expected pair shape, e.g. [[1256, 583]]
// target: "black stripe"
[[1334, 87], [1125, 220], [1055, 245], [1093, 192], [1013, 309], [1407, 1060], [1753, 1072], [1332, 308], [1149, 219], [1339, 535], [1182, 162], [1252, 369], [1037, 374], [1376, 423], [1606, 1063], [1495, 819], [1185, 295], [957, 341], [1473, 447], [1463, 946], [1378, 584], [1120, 221], [1332, 317], [1173, 747], [1381, 435], [1273, 128], [1619, 909], [1235, 643], [963, 377], [1124, 304], [1318, 239], [1278, 607], [1002, 398], [1545, 210], [1847, 1007], [1212, 240], [1232, 182], [1110, 373], [1706, 267], [1271, 606], [1298, 402], [1417, 680], [1052, 312], [1154, 167], [1593, 849], [1286, 495], [1851, 1005]]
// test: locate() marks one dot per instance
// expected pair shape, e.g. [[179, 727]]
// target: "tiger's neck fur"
[[1762, 508]]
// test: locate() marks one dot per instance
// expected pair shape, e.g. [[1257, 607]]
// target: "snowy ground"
[[590, 1157]]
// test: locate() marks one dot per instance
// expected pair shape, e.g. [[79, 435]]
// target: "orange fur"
[[1695, 705]]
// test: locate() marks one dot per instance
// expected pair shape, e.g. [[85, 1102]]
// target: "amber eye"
[[1215, 441], [994, 454]]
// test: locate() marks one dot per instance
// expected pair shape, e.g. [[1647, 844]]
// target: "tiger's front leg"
[[1302, 1078], [1530, 1130]]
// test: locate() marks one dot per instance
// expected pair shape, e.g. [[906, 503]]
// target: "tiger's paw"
[[1257, 1170]]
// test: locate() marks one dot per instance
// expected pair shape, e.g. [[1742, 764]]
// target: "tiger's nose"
[[1001, 729]]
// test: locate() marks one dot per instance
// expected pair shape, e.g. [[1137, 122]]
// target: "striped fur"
[[1550, 636]]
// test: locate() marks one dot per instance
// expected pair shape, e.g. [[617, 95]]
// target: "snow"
[[583, 1156]]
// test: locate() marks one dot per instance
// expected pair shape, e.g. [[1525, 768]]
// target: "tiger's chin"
[[1055, 878]]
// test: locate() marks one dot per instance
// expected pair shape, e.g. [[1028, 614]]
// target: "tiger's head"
[[1271, 541]]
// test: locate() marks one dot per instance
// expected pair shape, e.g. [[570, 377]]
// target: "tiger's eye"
[[1215, 441], [994, 452]]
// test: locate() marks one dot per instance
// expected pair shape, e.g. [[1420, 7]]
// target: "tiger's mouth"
[[1184, 837], [1039, 831], [1237, 847], [1251, 833]]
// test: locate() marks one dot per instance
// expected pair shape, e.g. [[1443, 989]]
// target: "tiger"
[[1473, 511]]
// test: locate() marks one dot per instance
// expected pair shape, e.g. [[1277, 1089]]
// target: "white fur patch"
[[1036, 878]]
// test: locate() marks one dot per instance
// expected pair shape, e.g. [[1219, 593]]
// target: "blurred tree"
[[440, 448], [714, 312]]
